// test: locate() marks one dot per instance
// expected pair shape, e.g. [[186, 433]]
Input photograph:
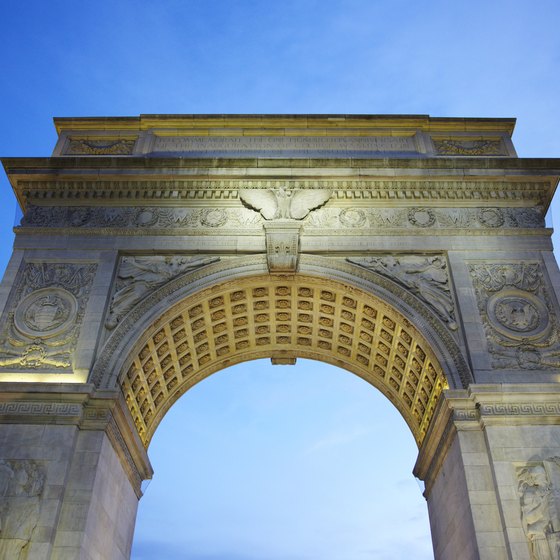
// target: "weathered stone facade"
[[156, 250]]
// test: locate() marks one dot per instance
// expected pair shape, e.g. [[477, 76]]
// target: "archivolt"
[[283, 318]]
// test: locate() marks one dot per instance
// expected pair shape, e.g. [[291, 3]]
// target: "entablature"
[[441, 182]]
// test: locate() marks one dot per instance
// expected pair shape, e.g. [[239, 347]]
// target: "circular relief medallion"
[[491, 217], [213, 217], [351, 217], [421, 217], [518, 314], [46, 313], [145, 217]]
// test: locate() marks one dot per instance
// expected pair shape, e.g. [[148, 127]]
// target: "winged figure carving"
[[280, 203]]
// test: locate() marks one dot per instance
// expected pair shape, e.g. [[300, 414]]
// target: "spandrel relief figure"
[[21, 489], [139, 276], [426, 277]]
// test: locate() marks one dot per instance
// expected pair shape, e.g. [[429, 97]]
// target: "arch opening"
[[282, 318], [295, 461]]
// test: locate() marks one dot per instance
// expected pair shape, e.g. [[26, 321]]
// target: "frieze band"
[[154, 217]]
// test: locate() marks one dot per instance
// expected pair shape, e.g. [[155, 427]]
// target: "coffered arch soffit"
[[235, 311]]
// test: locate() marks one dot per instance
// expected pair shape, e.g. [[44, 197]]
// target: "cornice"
[[360, 191], [50, 165], [302, 121]]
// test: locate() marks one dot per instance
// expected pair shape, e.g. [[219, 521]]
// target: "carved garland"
[[80, 218]]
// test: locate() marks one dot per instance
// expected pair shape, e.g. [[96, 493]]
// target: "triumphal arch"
[[156, 250]]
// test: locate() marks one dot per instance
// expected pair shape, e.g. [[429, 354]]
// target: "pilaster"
[[71, 468], [491, 457]]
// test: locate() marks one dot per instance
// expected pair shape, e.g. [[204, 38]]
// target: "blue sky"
[[259, 462]]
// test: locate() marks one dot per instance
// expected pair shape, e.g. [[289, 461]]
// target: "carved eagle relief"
[[274, 204]]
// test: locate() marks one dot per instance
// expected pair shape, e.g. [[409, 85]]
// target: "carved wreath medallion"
[[46, 313], [517, 315], [42, 325], [421, 217]]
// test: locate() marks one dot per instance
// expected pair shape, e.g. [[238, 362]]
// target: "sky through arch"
[[283, 462]]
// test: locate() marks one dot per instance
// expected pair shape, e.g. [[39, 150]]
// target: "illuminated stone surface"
[[157, 250]]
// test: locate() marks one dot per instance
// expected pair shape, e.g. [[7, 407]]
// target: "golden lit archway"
[[282, 318]]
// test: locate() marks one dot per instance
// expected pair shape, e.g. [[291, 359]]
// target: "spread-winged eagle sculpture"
[[281, 204]]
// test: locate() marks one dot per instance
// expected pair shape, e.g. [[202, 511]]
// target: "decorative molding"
[[518, 316], [37, 408], [465, 415], [419, 218], [121, 447], [397, 191], [137, 277], [519, 409], [45, 312], [424, 276]]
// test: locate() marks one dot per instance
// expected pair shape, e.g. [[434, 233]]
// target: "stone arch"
[[235, 311]]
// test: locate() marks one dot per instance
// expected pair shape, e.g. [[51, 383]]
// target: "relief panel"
[[517, 314], [424, 276], [45, 314], [273, 207], [139, 276], [539, 496], [21, 490]]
